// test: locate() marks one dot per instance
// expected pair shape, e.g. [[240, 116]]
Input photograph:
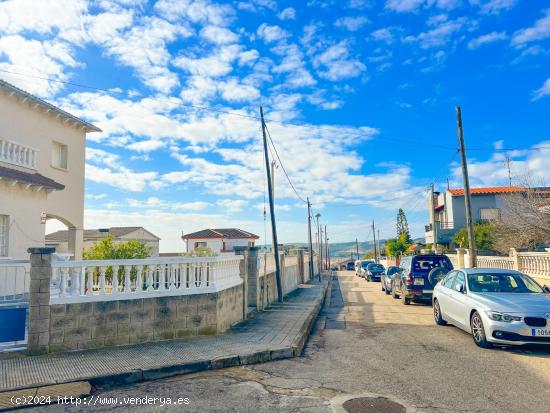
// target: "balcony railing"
[[440, 225], [17, 154], [106, 280]]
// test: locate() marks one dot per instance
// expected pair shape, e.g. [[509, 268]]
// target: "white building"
[[42, 152], [219, 240], [60, 239]]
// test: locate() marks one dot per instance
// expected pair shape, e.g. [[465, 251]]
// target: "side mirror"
[[460, 288], [546, 289]]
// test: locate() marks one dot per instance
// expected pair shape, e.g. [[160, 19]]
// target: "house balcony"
[[445, 232], [17, 154]]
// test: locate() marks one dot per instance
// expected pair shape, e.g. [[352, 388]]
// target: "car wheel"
[[406, 300], [437, 314], [478, 331], [388, 291], [382, 286]]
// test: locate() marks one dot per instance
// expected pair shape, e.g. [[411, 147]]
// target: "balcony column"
[[76, 243]]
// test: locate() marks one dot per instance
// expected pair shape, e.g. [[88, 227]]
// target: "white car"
[[495, 306]]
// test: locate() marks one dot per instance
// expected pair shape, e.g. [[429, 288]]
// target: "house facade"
[[448, 213], [42, 153], [220, 240], [60, 239]]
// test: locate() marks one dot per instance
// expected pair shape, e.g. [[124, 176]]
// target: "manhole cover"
[[373, 405]]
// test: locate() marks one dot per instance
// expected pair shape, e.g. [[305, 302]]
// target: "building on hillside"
[[59, 240], [219, 240], [448, 213], [42, 153]]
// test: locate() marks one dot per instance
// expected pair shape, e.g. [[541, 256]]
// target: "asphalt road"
[[365, 342]]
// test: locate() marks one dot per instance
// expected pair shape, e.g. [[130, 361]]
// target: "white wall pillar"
[[76, 242]]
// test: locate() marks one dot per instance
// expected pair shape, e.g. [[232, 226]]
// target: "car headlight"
[[507, 318]]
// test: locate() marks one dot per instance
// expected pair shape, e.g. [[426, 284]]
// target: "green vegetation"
[[483, 235], [201, 252], [106, 249], [398, 246]]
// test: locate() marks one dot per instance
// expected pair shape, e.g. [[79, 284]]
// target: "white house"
[[60, 239], [42, 152], [219, 239]]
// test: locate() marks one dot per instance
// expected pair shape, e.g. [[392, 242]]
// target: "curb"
[[140, 375]]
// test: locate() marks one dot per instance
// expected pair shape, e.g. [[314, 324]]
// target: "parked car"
[[361, 267], [350, 266], [418, 275], [495, 306], [374, 271], [385, 279]]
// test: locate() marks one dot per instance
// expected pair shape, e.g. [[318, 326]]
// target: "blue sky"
[[359, 97]]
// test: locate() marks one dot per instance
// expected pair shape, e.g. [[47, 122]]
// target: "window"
[[489, 214], [200, 244], [59, 155], [503, 283], [4, 235], [449, 279], [459, 280]]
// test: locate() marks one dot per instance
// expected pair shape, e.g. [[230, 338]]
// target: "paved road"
[[367, 342]]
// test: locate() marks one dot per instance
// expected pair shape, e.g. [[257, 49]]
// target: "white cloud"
[[486, 39], [234, 91], [146, 146], [402, 6], [217, 64], [383, 35], [543, 91], [334, 63], [271, 34], [218, 35], [38, 58], [294, 66], [351, 23], [122, 178], [232, 205], [287, 14], [494, 6], [540, 31], [197, 11], [438, 36]]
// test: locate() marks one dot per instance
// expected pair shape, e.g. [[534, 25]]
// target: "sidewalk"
[[279, 332]]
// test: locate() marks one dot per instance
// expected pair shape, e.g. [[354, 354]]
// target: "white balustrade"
[[18, 154], [14, 280], [106, 280], [504, 263]]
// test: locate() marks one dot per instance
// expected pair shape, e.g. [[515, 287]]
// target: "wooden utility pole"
[[321, 247], [467, 195], [378, 244], [374, 242], [317, 216], [309, 239], [326, 248], [357, 247], [272, 212]]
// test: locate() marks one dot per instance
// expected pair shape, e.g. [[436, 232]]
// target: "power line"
[[253, 117], [283, 167]]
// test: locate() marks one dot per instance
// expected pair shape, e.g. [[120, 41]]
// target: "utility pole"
[[432, 205], [467, 195], [309, 238], [374, 242], [317, 216], [326, 248], [272, 212], [321, 248], [509, 171], [378, 244], [357, 247]]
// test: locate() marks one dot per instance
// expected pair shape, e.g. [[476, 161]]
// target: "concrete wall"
[[23, 208], [114, 323]]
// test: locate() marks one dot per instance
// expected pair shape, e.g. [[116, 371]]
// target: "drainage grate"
[[373, 405]]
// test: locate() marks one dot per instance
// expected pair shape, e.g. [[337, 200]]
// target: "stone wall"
[[114, 323]]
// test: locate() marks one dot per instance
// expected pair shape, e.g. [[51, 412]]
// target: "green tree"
[[369, 255], [403, 227], [483, 235], [107, 249], [200, 252], [395, 247]]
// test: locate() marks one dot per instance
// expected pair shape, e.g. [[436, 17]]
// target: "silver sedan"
[[495, 306]]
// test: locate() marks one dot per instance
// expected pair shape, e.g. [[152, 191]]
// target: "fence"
[[14, 295], [534, 264], [14, 280]]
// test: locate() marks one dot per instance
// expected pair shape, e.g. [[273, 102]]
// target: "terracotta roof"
[[89, 234], [12, 89], [29, 178], [489, 190], [215, 233]]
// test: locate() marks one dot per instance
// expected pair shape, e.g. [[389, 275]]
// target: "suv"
[[418, 275]]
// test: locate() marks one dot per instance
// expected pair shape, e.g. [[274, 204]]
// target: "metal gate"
[[14, 303]]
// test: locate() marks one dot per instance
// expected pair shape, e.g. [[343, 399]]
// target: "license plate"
[[540, 332], [419, 281]]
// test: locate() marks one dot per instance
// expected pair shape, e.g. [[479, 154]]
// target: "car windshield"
[[392, 270], [364, 264], [375, 267], [426, 264], [502, 283]]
